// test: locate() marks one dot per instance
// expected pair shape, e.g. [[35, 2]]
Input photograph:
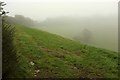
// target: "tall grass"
[[9, 57]]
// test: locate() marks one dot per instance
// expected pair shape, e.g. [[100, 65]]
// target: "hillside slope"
[[45, 55]]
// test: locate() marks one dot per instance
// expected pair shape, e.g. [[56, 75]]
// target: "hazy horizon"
[[69, 18], [43, 9]]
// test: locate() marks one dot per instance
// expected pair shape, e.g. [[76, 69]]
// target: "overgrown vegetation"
[[9, 57]]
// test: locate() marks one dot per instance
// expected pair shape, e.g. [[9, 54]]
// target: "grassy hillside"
[[100, 27], [45, 55]]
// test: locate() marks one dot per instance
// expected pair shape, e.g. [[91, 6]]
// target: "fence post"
[[1, 40]]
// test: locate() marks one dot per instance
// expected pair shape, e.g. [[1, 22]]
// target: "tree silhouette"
[[86, 36]]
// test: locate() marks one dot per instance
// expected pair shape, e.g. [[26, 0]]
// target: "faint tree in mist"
[[86, 36]]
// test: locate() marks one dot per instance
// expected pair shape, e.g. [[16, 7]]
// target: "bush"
[[9, 57]]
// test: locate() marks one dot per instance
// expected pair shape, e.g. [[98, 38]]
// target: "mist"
[[92, 22], [43, 9], [99, 31]]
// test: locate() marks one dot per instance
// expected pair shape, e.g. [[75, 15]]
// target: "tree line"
[[22, 20]]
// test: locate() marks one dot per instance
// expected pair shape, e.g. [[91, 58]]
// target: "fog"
[[100, 31], [74, 19], [42, 9]]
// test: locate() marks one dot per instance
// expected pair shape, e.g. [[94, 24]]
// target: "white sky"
[[42, 9]]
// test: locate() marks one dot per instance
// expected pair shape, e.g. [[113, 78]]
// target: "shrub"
[[9, 57]]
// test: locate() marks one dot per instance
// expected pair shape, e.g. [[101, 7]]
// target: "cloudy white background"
[[42, 9]]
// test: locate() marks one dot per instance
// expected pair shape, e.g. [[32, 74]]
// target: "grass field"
[[45, 55]]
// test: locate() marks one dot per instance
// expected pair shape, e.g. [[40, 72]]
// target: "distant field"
[[45, 55]]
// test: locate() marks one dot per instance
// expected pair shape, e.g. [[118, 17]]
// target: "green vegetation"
[[9, 54], [45, 55]]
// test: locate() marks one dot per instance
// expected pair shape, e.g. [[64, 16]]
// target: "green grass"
[[55, 56]]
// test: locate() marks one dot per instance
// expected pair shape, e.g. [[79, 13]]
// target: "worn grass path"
[[45, 55]]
